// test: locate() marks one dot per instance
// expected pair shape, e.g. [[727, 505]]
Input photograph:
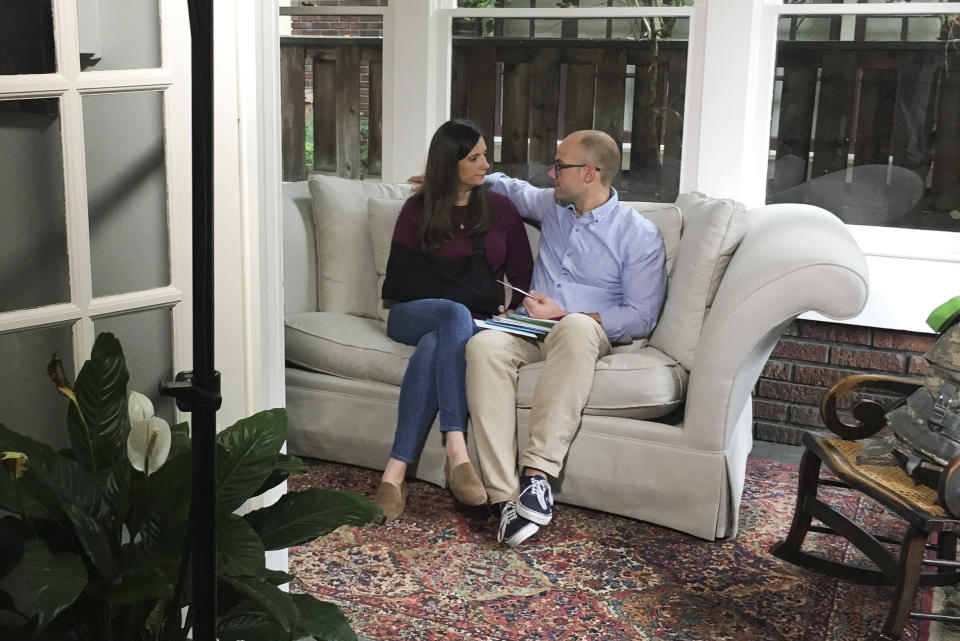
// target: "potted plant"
[[94, 544]]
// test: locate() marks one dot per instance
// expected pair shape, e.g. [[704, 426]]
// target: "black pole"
[[198, 391]]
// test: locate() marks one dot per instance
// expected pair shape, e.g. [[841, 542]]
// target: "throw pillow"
[[346, 277]]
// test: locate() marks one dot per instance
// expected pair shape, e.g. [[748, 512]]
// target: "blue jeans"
[[435, 377]]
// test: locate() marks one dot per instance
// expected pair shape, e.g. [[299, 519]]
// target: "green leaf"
[[241, 625], [93, 539], [284, 466], [13, 534], [179, 440], [250, 448], [145, 583], [268, 598], [98, 435], [298, 517], [239, 548], [10, 502], [52, 479], [56, 579], [276, 577], [321, 620]]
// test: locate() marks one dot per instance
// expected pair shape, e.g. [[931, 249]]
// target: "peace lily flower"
[[139, 407], [148, 444]]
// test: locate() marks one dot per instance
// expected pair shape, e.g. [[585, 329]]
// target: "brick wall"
[[811, 356]]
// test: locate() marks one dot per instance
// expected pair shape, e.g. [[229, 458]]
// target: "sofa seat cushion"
[[633, 382], [345, 345]]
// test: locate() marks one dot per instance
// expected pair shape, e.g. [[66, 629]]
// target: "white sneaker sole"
[[537, 517], [522, 535]]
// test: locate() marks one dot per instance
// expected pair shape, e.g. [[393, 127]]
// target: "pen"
[[516, 289]]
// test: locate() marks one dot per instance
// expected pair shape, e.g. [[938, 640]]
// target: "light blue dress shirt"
[[609, 261]]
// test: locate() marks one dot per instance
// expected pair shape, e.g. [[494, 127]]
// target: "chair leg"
[[809, 475], [911, 556]]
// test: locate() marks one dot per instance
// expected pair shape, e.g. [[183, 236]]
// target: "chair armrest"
[[794, 259], [870, 415]]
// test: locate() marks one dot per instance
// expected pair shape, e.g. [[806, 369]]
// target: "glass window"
[[26, 37], [29, 403], [329, 60], [864, 120], [147, 341], [623, 76], [126, 191], [118, 34], [33, 242]]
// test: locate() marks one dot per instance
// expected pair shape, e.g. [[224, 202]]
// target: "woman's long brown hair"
[[450, 144]]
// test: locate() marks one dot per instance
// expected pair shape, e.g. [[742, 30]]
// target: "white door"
[[94, 196]]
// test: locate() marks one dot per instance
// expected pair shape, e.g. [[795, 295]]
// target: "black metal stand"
[[198, 391]]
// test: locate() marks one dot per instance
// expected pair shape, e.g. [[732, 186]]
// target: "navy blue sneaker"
[[535, 502], [514, 529]]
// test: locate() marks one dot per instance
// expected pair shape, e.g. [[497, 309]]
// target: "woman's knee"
[[452, 314]]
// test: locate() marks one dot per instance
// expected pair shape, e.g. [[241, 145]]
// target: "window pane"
[[147, 341], [29, 403], [126, 191], [26, 37], [119, 34], [864, 120], [343, 64], [33, 243], [582, 74]]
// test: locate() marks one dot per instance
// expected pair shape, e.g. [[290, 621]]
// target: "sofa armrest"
[[795, 258]]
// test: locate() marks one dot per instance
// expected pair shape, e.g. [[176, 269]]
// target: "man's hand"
[[542, 306], [417, 182], [504, 311]]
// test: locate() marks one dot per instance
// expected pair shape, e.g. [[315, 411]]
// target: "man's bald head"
[[600, 150]]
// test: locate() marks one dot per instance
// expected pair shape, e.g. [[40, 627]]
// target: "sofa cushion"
[[345, 345], [346, 278], [712, 230], [667, 218], [382, 214], [631, 383]]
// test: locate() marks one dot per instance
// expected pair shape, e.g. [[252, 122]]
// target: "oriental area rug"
[[438, 574]]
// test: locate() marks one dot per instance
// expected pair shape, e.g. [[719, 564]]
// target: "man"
[[601, 271]]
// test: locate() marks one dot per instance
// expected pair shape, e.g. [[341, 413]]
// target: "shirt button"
[[559, 285]]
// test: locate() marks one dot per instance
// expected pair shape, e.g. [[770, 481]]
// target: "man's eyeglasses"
[[559, 166]]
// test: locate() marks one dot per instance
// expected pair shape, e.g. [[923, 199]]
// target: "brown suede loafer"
[[391, 499], [465, 484]]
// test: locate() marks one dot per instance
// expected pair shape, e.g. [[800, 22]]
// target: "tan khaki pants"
[[570, 352]]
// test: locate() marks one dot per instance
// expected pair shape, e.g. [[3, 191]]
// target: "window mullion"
[[74, 176]]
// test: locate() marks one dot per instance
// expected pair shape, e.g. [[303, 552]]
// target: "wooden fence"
[[866, 103], [872, 101]]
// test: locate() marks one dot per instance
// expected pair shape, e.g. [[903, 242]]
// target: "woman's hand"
[[542, 306]]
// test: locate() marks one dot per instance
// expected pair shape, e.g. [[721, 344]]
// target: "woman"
[[441, 220]]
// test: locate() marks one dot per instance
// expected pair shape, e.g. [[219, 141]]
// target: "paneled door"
[[94, 196]]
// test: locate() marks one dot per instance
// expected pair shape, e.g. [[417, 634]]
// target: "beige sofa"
[[668, 425]]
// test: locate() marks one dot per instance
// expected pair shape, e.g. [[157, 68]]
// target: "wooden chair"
[[932, 516]]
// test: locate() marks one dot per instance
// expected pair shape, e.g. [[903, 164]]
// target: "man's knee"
[[487, 347], [576, 327]]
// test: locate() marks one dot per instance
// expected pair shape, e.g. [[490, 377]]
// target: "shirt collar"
[[598, 214]]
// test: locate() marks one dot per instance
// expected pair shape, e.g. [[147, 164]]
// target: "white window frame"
[[910, 269], [69, 84]]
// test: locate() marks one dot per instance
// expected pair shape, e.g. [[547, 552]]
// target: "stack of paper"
[[520, 325]]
